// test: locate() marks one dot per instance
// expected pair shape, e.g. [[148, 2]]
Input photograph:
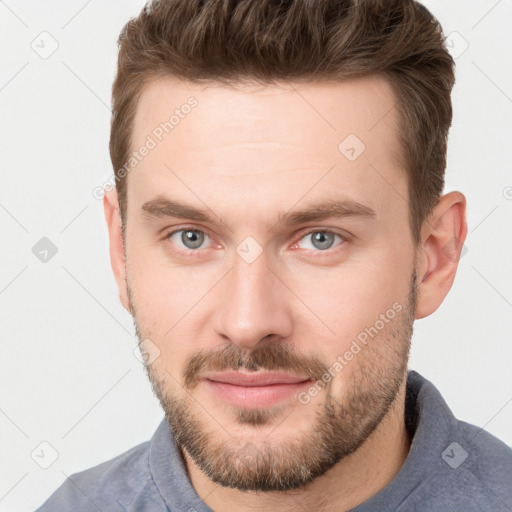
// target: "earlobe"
[[442, 242], [116, 244]]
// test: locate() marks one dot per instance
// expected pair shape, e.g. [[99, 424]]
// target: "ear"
[[117, 260], [442, 240]]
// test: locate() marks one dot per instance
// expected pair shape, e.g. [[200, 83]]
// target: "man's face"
[[327, 301]]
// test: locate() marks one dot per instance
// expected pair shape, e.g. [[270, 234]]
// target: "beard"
[[341, 423]]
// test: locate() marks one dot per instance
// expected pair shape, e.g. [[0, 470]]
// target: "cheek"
[[164, 291], [350, 298], [167, 300], [350, 295]]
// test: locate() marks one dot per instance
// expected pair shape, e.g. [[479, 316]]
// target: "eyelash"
[[195, 252]]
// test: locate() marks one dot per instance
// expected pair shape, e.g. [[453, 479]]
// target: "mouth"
[[255, 390]]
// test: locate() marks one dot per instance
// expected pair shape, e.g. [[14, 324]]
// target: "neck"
[[356, 478]]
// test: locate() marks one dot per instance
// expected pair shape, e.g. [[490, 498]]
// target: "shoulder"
[[454, 465], [475, 474], [112, 485], [488, 459]]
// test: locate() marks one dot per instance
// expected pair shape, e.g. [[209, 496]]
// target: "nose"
[[254, 304]]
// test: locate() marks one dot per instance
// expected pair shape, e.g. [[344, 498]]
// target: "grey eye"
[[320, 239], [194, 238], [189, 238]]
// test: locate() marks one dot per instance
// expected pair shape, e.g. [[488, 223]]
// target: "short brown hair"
[[267, 41]]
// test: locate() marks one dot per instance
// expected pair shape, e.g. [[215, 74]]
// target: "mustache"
[[273, 356]]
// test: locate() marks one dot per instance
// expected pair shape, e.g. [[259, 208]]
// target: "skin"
[[246, 154]]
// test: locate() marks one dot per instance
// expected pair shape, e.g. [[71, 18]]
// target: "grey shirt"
[[452, 466]]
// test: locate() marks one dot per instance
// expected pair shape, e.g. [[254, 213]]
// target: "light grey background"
[[68, 373]]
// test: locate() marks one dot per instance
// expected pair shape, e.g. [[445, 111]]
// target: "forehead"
[[322, 112], [261, 141]]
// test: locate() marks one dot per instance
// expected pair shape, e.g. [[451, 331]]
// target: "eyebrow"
[[162, 207]]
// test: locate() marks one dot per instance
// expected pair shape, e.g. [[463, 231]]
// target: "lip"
[[250, 390], [255, 379]]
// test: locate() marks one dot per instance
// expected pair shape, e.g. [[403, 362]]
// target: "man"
[[276, 227]]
